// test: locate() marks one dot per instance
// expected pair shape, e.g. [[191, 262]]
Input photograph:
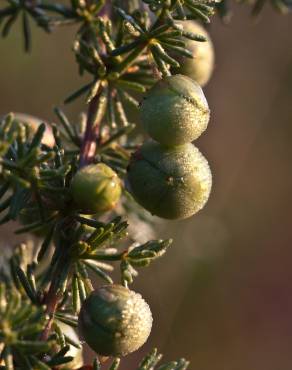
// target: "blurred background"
[[222, 296]]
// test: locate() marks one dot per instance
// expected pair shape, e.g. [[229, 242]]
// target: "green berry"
[[170, 182], [96, 188], [175, 111], [199, 68], [114, 321]]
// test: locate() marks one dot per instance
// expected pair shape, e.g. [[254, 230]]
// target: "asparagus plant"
[[76, 185]]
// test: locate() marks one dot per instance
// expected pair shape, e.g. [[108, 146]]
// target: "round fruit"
[[96, 188], [114, 321], [199, 68], [175, 111], [171, 182]]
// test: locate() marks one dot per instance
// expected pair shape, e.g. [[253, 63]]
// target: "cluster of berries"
[[167, 175]]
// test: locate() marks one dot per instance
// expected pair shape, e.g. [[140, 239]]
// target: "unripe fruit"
[[114, 321], [199, 68], [171, 182], [175, 111], [96, 188]]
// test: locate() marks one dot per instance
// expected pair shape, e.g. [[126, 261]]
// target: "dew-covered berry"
[[175, 111], [114, 321], [170, 182], [199, 68], [96, 188]]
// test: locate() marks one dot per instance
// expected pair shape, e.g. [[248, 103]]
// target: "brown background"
[[222, 297]]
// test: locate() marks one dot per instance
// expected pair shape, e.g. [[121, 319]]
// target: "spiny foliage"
[[50, 14], [123, 48]]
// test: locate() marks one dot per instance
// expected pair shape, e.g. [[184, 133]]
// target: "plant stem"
[[87, 153], [89, 142], [51, 300], [53, 295]]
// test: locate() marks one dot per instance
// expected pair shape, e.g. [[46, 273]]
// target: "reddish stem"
[[51, 298], [87, 153], [51, 301], [91, 134]]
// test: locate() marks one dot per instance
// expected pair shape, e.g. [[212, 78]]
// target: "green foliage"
[[123, 48]]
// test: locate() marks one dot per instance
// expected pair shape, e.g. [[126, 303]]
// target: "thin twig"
[[89, 142], [87, 153], [51, 301], [53, 296]]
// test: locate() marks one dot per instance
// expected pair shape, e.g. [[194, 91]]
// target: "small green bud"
[[199, 68], [96, 188], [175, 111], [114, 321], [170, 182]]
